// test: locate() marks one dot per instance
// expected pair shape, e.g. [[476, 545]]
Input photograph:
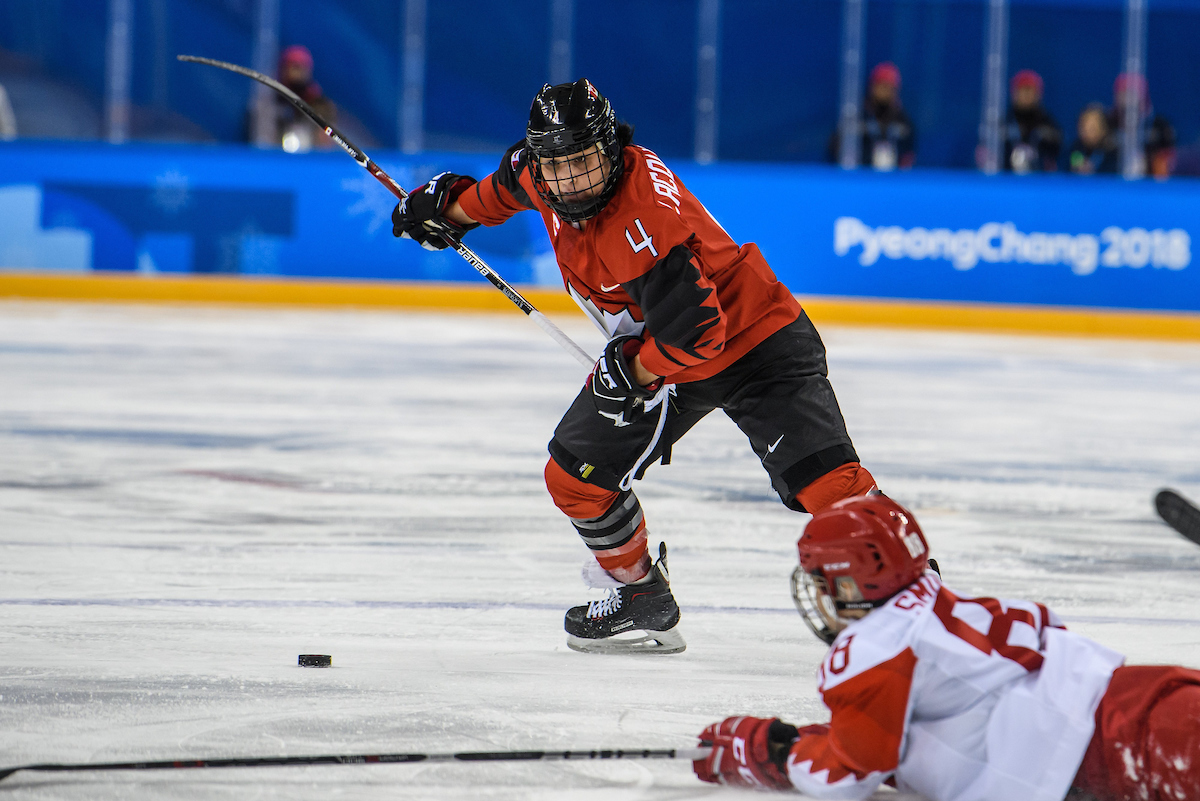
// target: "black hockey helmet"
[[564, 122]]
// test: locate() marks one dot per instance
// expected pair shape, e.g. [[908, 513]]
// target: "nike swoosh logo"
[[771, 448], [604, 288]]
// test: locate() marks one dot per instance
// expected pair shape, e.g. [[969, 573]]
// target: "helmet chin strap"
[[834, 623]]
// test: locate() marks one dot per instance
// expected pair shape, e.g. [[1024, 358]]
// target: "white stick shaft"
[[568, 344]]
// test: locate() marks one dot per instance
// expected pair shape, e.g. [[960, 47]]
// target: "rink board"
[[447, 296], [929, 236]]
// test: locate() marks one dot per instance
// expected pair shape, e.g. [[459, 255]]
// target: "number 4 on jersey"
[[647, 240]]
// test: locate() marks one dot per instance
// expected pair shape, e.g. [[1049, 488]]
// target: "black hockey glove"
[[419, 216], [616, 393]]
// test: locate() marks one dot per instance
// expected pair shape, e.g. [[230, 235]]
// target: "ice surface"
[[192, 496]]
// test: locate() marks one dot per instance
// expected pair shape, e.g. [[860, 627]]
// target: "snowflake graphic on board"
[[373, 201], [171, 191]]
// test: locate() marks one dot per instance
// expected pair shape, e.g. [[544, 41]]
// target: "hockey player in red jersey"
[[955, 698], [695, 322]]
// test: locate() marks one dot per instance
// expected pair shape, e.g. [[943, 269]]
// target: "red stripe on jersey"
[[996, 639]]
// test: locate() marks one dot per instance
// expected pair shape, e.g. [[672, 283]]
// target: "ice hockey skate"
[[634, 618]]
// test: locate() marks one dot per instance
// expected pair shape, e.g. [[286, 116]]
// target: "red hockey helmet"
[[855, 555]]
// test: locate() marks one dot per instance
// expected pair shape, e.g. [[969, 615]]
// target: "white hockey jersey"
[[960, 699]]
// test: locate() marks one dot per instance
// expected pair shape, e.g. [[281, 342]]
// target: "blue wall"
[[485, 60], [164, 208], [943, 235], [923, 235]]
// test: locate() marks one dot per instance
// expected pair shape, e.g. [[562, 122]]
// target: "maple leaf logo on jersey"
[[612, 324]]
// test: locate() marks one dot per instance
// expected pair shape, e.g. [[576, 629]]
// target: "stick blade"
[[1179, 513]]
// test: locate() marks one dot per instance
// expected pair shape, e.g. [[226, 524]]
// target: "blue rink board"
[[931, 235]]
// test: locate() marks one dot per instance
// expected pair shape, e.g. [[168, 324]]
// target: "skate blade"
[[648, 642]]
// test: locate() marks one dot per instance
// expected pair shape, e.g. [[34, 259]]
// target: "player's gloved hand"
[[615, 390], [419, 216], [747, 752]]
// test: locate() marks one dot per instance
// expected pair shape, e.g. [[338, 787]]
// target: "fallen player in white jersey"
[[957, 699]]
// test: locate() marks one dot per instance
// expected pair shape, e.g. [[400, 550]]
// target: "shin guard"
[[611, 524]]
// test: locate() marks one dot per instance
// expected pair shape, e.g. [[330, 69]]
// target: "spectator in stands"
[[1095, 150], [1033, 138], [291, 130], [1158, 135], [8, 120], [888, 137]]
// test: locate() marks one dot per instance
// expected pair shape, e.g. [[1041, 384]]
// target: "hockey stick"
[[368, 759], [1179, 513], [358, 155]]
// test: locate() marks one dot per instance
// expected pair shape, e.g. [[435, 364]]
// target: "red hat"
[[1128, 80], [1136, 83], [1026, 78], [886, 72], [296, 54]]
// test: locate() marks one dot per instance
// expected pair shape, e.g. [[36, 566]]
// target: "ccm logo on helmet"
[[836, 566]]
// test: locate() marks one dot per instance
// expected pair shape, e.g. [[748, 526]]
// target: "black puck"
[[315, 660]]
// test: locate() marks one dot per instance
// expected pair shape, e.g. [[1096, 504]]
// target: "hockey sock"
[[848, 481], [610, 523], [627, 559], [646, 578]]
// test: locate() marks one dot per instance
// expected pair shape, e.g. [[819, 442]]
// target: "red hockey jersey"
[[653, 262]]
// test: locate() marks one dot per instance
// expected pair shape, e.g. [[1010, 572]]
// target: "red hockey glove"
[[747, 752], [419, 216], [615, 391]]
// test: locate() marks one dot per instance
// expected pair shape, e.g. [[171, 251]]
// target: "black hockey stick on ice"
[[372, 759], [358, 155], [1179, 513]]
